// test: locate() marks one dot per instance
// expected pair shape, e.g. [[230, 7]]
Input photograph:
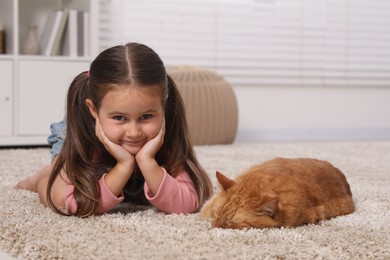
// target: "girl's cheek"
[[155, 130], [110, 133]]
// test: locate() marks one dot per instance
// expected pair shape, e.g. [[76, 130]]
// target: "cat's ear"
[[268, 208], [225, 182]]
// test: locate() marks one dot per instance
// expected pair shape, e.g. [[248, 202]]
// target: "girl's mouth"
[[132, 143]]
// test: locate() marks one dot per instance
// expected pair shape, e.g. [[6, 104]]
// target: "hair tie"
[[89, 74]]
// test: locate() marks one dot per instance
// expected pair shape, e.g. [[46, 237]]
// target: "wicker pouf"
[[210, 103]]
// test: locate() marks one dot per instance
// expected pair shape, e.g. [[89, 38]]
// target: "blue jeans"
[[57, 136]]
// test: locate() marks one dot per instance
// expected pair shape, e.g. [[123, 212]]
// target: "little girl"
[[126, 139]]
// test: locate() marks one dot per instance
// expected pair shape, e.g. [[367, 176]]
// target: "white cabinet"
[[41, 104], [6, 98], [33, 87]]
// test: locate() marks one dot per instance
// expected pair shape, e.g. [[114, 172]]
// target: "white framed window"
[[315, 43]]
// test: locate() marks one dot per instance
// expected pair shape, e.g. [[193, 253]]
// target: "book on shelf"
[[47, 31], [80, 33], [86, 34], [60, 33], [70, 39], [76, 38], [66, 32], [50, 31]]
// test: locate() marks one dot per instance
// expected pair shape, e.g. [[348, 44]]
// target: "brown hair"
[[83, 156]]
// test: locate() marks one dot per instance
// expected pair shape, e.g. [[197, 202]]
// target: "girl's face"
[[131, 117]]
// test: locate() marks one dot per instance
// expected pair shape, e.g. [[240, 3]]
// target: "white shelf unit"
[[33, 87]]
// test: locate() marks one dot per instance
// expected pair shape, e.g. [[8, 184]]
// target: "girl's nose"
[[133, 130]]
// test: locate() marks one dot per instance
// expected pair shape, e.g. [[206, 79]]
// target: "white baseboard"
[[272, 135]]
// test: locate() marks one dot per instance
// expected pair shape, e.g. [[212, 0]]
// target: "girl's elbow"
[[57, 197], [41, 188]]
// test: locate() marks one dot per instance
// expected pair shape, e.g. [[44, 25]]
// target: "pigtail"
[[78, 115], [176, 129], [80, 147], [178, 148]]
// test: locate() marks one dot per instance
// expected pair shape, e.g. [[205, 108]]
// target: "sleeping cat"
[[280, 192]]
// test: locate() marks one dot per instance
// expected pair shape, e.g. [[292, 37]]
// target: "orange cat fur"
[[280, 192]]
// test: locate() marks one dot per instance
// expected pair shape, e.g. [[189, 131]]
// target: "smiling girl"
[[126, 139]]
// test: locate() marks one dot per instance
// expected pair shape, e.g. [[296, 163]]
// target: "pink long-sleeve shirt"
[[176, 194]]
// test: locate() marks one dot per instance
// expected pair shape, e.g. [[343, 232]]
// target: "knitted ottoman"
[[210, 103]]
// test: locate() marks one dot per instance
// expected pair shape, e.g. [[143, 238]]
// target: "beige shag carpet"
[[30, 231]]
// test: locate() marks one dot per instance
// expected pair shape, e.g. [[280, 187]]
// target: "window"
[[262, 42]]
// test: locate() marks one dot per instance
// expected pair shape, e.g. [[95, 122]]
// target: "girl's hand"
[[120, 154], [146, 162], [150, 149], [118, 176]]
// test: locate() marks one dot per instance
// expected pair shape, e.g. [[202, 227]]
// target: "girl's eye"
[[146, 116], [119, 118]]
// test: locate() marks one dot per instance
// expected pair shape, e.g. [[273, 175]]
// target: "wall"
[[259, 43], [296, 114]]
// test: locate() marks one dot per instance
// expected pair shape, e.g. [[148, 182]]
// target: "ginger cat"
[[280, 192]]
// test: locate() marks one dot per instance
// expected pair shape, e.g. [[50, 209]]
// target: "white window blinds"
[[262, 42]]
